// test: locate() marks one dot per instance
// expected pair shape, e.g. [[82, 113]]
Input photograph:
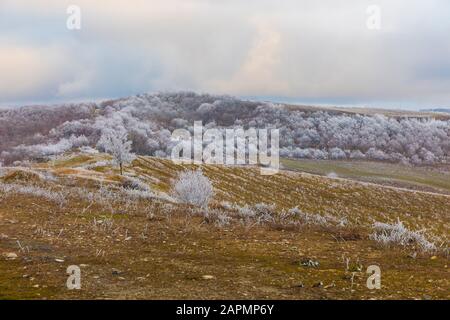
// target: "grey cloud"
[[298, 50]]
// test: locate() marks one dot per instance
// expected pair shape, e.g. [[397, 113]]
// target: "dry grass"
[[161, 249]]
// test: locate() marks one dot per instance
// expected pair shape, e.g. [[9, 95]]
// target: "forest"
[[36, 133]]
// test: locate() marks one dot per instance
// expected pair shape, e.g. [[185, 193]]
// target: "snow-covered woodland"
[[35, 133]]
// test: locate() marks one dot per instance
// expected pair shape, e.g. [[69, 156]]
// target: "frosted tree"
[[116, 143], [29, 133]]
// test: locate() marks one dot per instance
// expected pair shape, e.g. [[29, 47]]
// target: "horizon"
[[262, 99]]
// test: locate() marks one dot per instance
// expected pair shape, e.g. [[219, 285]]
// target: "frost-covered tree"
[[148, 119], [116, 143], [193, 187]]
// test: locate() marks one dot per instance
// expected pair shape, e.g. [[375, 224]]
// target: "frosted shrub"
[[135, 194], [47, 176], [192, 187], [88, 150], [57, 197], [264, 212], [296, 216], [103, 163], [246, 213], [222, 220], [135, 184], [218, 217], [397, 234]]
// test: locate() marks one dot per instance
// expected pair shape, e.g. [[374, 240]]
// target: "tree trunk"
[[121, 169]]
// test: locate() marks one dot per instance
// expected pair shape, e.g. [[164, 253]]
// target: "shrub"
[[296, 216], [192, 187], [397, 234], [133, 183], [57, 197]]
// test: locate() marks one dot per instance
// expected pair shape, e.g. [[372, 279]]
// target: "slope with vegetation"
[[305, 132], [136, 235]]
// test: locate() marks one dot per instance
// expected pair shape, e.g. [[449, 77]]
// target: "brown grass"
[[162, 251]]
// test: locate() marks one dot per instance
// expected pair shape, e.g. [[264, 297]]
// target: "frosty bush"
[[194, 188], [134, 183], [219, 217], [57, 197], [296, 216], [397, 234], [264, 213]]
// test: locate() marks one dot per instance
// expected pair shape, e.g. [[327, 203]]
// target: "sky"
[[327, 52]]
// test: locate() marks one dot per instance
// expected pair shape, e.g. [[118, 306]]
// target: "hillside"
[[37, 133], [429, 178], [289, 236]]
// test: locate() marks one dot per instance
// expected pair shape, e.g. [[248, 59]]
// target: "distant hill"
[[436, 110], [39, 132]]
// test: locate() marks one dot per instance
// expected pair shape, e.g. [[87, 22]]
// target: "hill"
[[37, 133], [290, 236]]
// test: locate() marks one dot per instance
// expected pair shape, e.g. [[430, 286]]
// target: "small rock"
[[426, 297], [3, 236], [412, 255], [208, 277], [331, 285], [36, 286], [318, 284], [433, 258], [309, 263], [10, 255], [59, 260], [116, 272], [300, 285], [128, 238]]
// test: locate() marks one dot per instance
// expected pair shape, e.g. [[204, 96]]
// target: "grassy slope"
[[168, 254], [427, 179]]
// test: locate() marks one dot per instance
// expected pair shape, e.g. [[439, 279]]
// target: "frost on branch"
[[116, 143], [194, 188]]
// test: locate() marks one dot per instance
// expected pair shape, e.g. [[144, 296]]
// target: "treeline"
[[32, 133]]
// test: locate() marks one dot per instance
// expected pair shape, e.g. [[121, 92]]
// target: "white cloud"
[[25, 71]]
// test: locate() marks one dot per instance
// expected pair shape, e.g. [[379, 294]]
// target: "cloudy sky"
[[306, 51]]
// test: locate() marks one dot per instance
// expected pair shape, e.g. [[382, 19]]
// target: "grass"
[[426, 179], [167, 255]]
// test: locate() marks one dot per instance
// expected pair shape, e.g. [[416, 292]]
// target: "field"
[[373, 111], [133, 244], [433, 179]]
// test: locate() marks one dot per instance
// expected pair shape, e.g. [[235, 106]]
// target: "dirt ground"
[[176, 259], [157, 251]]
